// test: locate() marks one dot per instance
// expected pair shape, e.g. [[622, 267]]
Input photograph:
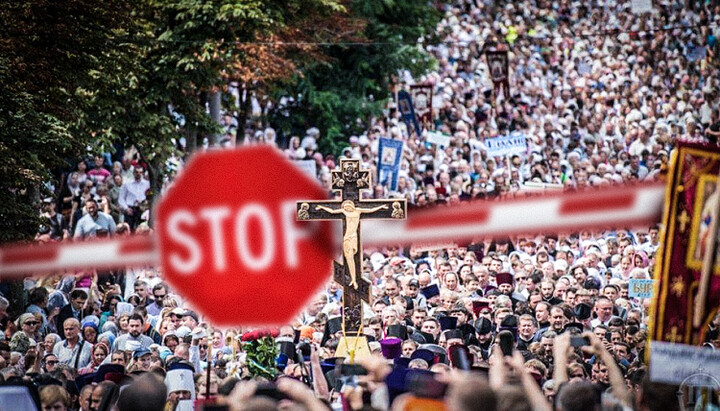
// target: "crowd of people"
[[528, 322]]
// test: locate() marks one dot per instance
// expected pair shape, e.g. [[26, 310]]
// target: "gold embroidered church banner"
[[691, 195]]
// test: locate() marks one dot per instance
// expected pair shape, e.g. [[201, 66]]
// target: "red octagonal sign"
[[230, 243]]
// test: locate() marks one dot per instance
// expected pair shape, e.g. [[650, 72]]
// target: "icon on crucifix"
[[349, 180], [350, 237]]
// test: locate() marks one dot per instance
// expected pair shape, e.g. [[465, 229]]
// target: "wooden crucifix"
[[349, 181]]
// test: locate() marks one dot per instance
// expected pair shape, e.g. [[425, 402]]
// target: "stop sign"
[[229, 240]]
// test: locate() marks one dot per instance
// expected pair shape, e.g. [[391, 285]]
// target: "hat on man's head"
[[85, 379], [504, 278], [183, 331], [423, 354], [592, 283], [140, 352], [391, 347], [454, 333], [306, 332], [459, 354], [439, 352], [181, 365], [582, 311], [447, 322], [105, 369], [397, 330], [430, 291], [483, 326], [403, 362], [191, 313], [467, 329], [413, 283], [479, 305], [333, 326], [427, 338], [180, 379]]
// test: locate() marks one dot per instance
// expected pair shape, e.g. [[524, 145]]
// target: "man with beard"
[[135, 336], [94, 223], [506, 286], [547, 289]]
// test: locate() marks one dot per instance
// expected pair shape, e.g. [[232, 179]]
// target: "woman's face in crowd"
[[89, 334], [99, 355], [451, 281], [625, 263], [123, 323]]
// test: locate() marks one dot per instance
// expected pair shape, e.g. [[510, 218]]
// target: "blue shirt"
[[88, 226]]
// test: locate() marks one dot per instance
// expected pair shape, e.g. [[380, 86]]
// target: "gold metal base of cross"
[[353, 347]]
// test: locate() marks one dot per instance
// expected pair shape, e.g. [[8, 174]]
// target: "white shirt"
[[132, 193]]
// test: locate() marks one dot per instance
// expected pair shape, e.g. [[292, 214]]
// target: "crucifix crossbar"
[[349, 181]]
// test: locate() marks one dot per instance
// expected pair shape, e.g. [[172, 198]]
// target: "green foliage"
[[338, 94], [48, 50], [80, 75], [261, 355]]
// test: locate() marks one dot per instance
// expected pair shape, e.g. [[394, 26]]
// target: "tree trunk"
[[242, 113], [191, 140], [155, 175], [215, 102]]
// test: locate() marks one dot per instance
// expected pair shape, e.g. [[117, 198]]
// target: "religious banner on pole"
[[422, 95], [407, 110], [497, 61], [389, 156], [687, 273]]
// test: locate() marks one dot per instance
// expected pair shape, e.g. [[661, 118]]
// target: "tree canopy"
[[82, 77]]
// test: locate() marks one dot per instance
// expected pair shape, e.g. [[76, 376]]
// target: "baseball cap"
[[140, 352]]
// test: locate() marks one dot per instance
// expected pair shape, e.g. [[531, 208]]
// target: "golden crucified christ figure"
[[350, 238]]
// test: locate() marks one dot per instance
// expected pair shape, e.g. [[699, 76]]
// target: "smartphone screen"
[[507, 341], [578, 341]]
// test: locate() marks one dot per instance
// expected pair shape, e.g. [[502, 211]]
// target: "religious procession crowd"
[[530, 322]]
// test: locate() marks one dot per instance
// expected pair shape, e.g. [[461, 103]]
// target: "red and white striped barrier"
[[104, 253], [607, 208], [612, 208]]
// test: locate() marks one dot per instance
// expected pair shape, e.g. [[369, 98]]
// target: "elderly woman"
[[30, 325], [49, 343]]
